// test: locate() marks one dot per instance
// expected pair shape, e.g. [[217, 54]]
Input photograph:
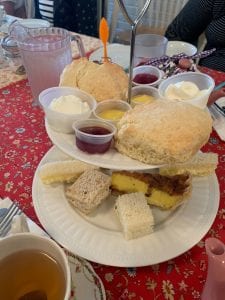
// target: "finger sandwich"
[[63, 171], [135, 215], [89, 190]]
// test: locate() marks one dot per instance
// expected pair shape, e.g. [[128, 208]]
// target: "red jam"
[[92, 147], [144, 78]]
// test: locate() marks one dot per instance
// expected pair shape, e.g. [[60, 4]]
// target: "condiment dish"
[[111, 110], [143, 94], [60, 121], [147, 75], [177, 47], [93, 135], [201, 81]]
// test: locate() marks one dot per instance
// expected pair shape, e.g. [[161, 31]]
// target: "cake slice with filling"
[[165, 192]]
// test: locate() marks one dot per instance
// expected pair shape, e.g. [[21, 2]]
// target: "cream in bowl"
[[70, 104], [64, 105], [93, 135], [111, 110], [191, 87]]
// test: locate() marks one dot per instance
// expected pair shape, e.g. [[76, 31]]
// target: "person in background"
[[202, 16], [79, 16], [14, 7]]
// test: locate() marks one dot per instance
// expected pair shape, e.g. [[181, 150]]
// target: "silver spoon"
[[34, 295]]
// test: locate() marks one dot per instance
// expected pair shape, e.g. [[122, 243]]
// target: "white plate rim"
[[112, 159], [85, 268], [114, 52], [110, 248]]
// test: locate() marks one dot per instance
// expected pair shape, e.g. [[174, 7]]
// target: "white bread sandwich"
[[202, 164], [135, 215], [102, 81], [89, 190], [163, 132], [63, 171]]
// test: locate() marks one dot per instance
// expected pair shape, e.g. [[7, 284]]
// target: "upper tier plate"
[[112, 159]]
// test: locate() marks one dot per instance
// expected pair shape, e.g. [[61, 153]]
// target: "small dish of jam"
[[93, 136], [147, 75]]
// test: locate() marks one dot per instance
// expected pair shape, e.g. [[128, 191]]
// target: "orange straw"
[[104, 36]]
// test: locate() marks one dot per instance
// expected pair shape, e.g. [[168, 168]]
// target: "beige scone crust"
[[163, 132], [102, 81]]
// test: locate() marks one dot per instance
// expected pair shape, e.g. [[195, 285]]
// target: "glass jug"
[[45, 52]]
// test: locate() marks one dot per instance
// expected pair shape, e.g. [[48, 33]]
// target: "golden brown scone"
[[163, 132], [104, 81]]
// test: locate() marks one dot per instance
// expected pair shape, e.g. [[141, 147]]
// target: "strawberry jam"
[[144, 78], [90, 144]]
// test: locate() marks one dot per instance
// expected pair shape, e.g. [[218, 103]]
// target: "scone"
[[163, 132], [102, 81]]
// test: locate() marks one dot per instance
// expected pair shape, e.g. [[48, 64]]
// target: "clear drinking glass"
[[149, 46]]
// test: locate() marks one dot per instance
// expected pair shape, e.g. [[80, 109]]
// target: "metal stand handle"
[[133, 24]]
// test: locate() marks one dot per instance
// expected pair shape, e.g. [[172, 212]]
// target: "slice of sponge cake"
[[135, 215], [166, 192], [89, 190]]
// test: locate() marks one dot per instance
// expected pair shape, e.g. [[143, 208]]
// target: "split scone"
[[102, 81], [165, 192], [89, 190], [135, 215], [63, 171]]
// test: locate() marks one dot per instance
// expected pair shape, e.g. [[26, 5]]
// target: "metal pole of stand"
[[133, 24]]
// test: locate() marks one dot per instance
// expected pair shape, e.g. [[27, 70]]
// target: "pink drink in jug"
[[45, 64]]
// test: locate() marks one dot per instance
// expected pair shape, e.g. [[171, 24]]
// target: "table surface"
[[24, 142]]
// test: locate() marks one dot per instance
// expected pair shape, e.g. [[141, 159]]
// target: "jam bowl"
[[147, 75], [111, 110], [93, 135], [64, 105]]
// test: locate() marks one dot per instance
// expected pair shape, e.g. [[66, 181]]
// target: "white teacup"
[[21, 242]]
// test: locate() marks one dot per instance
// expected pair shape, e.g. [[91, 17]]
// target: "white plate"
[[221, 103], [98, 237], [112, 159], [177, 47], [118, 53], [85, 283]]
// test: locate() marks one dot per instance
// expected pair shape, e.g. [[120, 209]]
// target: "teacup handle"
[[80, 44]]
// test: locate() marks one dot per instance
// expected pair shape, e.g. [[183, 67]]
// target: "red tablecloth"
[[24, 142]]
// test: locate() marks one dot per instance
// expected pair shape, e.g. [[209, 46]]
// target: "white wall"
[[159, 14]]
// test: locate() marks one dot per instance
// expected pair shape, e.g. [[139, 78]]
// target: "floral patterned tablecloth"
[[24, 142]]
